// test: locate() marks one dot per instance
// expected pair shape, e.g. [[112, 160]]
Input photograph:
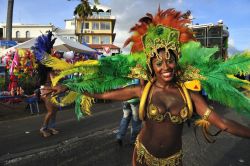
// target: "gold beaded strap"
[[143, 100], [143, 156], [187, 100], [154, 114]]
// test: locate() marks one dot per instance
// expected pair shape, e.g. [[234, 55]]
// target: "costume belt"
[[144, 156]]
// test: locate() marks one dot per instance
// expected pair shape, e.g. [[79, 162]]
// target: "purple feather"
[[43, 44]]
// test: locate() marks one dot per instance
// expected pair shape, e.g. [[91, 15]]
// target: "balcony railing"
[[102, 15]]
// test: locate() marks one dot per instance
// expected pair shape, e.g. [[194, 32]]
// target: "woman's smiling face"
[[164, 65]]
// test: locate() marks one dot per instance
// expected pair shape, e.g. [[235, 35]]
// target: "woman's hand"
[[58, 89], [45, 91], [52, 91]]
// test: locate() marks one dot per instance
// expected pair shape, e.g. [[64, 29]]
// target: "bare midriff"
[[161, 139]]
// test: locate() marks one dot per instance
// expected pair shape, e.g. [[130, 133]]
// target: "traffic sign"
[[8, 43]]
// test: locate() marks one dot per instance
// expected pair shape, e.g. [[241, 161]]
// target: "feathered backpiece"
[[166, 29]]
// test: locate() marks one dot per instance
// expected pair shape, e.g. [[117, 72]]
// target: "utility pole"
[[9, 20]]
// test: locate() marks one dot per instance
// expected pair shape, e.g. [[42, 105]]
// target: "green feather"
[[237, 64], [193, 53], [78, 111], [112, 73], [215, 74], [98, 84]]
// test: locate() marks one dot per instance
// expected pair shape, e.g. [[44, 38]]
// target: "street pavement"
[[91, 141]]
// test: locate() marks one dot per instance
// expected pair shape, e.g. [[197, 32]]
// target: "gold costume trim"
[[188, 100], [206, 114], [154, 114], [143, 156], [160, 37], [145, 93], [205, 124], [143, 100]]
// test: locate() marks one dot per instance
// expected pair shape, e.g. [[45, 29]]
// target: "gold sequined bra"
[[154, 114]]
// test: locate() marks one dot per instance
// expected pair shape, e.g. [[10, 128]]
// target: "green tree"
[[83, 11], [9, 20]]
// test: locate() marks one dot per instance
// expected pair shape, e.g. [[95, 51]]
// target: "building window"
[[105, 25], [72, 23], [27, 34], [1, 32], [105, 40], [17, 34], [86, 38], [95, 39], [86, 25], [95, 25]]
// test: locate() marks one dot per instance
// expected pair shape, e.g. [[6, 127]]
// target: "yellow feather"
[[66, 100], [56, 63], [88, 62], [74, 69], [86, 104], [246, 82]]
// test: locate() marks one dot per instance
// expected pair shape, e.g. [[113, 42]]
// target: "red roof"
[[101, 46]]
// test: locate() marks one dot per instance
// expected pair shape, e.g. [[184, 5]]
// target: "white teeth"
[[167, 74]]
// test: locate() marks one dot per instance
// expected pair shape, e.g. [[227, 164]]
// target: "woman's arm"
[[224, 124], [119, 94]]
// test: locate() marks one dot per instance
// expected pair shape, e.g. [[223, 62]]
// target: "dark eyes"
[[159, 63], [168, 61], [171, 60]]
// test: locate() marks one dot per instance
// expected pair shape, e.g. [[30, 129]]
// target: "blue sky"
[[234, 13]]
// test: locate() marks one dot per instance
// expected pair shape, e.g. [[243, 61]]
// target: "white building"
[[24, 32], [69, 32]]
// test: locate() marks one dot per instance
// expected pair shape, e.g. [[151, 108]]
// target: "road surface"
[[91, 142]]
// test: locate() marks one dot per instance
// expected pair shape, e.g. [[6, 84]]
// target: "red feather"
[[169, 18]]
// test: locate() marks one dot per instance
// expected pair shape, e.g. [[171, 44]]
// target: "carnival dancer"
[[43, 45], [164, 54], [49, 122]]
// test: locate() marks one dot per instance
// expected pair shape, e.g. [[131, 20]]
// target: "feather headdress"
[[167, 18], [41, 49], [43, 45]]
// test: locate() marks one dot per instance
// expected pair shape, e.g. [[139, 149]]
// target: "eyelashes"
[[159, 63], [167, 61]]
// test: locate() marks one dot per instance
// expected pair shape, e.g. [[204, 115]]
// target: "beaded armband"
[[205, 124]]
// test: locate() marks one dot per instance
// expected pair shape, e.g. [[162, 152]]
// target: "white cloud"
[[231, 41], [180, 1], [120, 38]]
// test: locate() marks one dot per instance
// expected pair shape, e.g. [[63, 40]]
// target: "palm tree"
[[83, 10], [9, 20]]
